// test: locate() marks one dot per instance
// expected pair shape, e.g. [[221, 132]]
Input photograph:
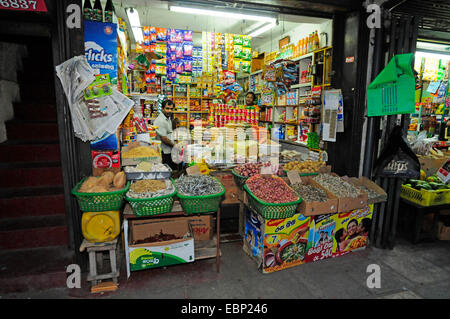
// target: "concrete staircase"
[[33, 232]]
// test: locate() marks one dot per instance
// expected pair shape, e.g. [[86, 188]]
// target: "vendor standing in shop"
[[250, 99], [164, 132]]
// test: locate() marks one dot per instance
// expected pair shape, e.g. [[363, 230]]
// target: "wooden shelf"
[[301, 85]]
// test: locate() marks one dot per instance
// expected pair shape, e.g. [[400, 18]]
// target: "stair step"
[[35, 111], [32, 206], [33, 91], [30, 152], [34, 269], [31, 222], [40, 190], [25, 177], [34, 237], [31, 131]]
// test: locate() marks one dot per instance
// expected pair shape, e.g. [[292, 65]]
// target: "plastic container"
[[201, 204], [425, 197], [99, 227], [272, 210], [239, 180], [99, 202], [393, 90], [149, 175], [152, 206]]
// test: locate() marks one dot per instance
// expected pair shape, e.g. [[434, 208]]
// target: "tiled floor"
[[408, 271]]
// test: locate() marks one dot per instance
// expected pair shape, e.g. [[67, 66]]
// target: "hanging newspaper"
[[92, 118]]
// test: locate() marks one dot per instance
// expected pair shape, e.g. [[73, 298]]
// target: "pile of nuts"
[[337, 185], [310, 193], [370, 193], [304, 167], [271, 189], [148, 188], [252, 169]]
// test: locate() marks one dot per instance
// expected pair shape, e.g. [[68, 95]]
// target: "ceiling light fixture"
[[263, 29], [135, 23], [222, 14], [427, 54]]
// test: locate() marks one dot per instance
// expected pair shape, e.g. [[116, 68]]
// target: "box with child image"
[[352, 230]]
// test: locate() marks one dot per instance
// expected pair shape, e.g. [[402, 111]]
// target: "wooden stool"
[[95, 251]]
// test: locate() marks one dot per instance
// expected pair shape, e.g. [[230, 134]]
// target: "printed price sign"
[[24, 5]]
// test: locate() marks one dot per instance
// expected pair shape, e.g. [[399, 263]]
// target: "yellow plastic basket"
[[424, 197]]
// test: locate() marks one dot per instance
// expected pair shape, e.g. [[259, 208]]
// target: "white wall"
[[301, 31]]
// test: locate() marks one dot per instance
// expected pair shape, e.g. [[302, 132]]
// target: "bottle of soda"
[[109, 10], [87, 10], [98, 11]]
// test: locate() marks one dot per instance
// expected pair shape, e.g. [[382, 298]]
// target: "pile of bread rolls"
[[107, 182]]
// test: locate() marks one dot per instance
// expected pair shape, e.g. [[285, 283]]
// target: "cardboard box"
[[443, 232], [137, 160], [272, 243], [318, 208], [347, 204], [105, 161], [364, 181], [431, 165], [352, 230], [321, 237], [201, 226], [160, 254]]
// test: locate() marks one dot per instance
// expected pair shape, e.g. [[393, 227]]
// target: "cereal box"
[[321, 235], [276, 244], [352, 230]]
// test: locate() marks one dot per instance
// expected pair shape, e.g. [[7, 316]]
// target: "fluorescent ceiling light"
[[422, 54], [135, 23], [265, 28], [221, 14]]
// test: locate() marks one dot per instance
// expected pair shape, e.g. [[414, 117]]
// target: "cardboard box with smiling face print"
[[352, 230]]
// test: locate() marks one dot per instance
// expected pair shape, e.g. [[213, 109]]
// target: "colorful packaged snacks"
[[246, 66], [161, 34], [146, 31], [187, 48], [172, 47], [246, 54], [246, 41], [237, 50], [173, 57], [172, 35], [179, 51], [188, 35], [179, 36], [180, 67], [237, 40], [187, 64]]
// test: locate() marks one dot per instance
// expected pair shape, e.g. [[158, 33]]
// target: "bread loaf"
[[119, 180]]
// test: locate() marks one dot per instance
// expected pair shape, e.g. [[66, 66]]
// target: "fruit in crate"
[[304, 167]]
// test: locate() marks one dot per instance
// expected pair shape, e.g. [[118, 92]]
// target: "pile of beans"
[[252, 169], [310, 193], [198, 185], [337, 185], [271, 189]]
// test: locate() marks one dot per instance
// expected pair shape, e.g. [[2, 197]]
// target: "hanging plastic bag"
[[397, 158]]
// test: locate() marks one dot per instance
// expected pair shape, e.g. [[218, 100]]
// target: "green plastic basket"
[[272, 210], [99, 202], [393, 90], [152, 206], [239, 180], [304, 174], [201, 204]]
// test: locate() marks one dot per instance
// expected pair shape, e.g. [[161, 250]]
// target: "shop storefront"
[[169, 114]]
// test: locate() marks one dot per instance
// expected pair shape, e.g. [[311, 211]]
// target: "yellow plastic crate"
[[424, 197]]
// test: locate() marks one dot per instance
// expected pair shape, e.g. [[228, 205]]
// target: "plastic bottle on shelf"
[[87, 10], [98, 11], [317, 40], [109, 10]]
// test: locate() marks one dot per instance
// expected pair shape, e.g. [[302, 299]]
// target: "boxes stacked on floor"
[[316, 231]]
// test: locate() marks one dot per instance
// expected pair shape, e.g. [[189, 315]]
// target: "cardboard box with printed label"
[[321, 237], [352, 230], [276, 244], [316, 208], [148, 255], [201, 226]]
